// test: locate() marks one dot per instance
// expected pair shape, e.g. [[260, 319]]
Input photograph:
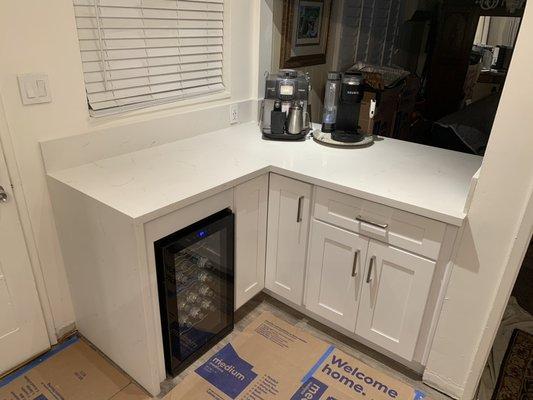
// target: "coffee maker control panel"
[[286, 91], [278, 88]]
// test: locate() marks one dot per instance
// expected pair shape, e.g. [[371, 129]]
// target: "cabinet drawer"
[[399, 228]]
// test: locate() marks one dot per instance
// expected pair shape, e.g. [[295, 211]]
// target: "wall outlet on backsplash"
[[234, 113]]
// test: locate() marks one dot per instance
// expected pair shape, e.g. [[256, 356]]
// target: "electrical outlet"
[[233, 113]]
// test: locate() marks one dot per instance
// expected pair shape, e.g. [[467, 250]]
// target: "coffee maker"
[[285, 109], [342, 106]]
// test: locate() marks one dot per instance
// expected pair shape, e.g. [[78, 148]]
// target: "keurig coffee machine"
[[284, 113], [342, 106]]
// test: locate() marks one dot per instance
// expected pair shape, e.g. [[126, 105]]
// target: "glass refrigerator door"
[[198, 288]]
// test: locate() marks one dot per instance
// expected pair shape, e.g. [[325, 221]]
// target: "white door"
[[251, 200], [288, 229], [22, 330], [336, 261], [393, 298]]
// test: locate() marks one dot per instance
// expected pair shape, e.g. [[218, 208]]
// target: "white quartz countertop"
[[152, 182]]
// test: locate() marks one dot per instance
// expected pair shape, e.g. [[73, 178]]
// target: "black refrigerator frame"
[[166, 280]]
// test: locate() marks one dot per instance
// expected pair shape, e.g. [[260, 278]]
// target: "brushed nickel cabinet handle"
[[370, 268], [361, 219], [354, 267], [299, 213]]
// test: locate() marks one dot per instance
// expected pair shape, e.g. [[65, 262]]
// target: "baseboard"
[[443, 385], [66, 331]]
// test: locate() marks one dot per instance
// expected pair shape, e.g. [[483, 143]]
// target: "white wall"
[[40, 36], [492, 229]]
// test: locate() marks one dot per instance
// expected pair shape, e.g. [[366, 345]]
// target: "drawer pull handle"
[[354, 268], [370, 268], [382, 226], [299, 213]]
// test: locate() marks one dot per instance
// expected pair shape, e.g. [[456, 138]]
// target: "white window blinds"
[[136, 52]]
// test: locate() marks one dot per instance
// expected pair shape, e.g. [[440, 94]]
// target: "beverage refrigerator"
[[195, 273]]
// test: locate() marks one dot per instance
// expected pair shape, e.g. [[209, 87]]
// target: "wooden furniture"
[[449, 62], [458, 20], [493, 77]]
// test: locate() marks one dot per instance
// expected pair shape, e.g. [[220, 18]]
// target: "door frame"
[[522, 232], [514, 263], [6, 146]]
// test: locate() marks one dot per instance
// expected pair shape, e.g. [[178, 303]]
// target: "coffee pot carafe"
[[298, 119]]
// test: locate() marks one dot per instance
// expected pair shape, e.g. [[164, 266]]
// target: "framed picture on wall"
[[305, 29]]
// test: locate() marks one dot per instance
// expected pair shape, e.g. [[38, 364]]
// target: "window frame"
[[177, 101]]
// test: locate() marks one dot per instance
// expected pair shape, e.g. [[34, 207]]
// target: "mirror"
[[435, 68]]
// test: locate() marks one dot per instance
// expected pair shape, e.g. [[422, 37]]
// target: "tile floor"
[[266, 303]]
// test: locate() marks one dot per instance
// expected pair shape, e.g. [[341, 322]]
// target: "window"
[[497, 31], [137, 53]]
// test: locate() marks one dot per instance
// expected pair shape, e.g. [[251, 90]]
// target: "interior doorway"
[[23, 332]]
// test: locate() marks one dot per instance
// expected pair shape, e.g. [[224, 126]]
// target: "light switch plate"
[[34, 88]]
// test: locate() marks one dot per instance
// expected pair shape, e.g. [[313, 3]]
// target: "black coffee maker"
[[344, 127]]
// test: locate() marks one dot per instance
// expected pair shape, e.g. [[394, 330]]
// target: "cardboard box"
[[73, 372], [272, 359]]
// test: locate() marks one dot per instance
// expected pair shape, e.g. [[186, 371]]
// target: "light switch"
[[30, 92], [34, 88], [42, 90]]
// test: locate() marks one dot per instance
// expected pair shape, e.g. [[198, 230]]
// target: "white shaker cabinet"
[[250, 238], [393, 298], [287, 233], [335, 269]]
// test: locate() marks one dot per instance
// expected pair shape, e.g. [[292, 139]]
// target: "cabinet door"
[[336, 262], [393, 298], [250, 238], [288, 229]]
